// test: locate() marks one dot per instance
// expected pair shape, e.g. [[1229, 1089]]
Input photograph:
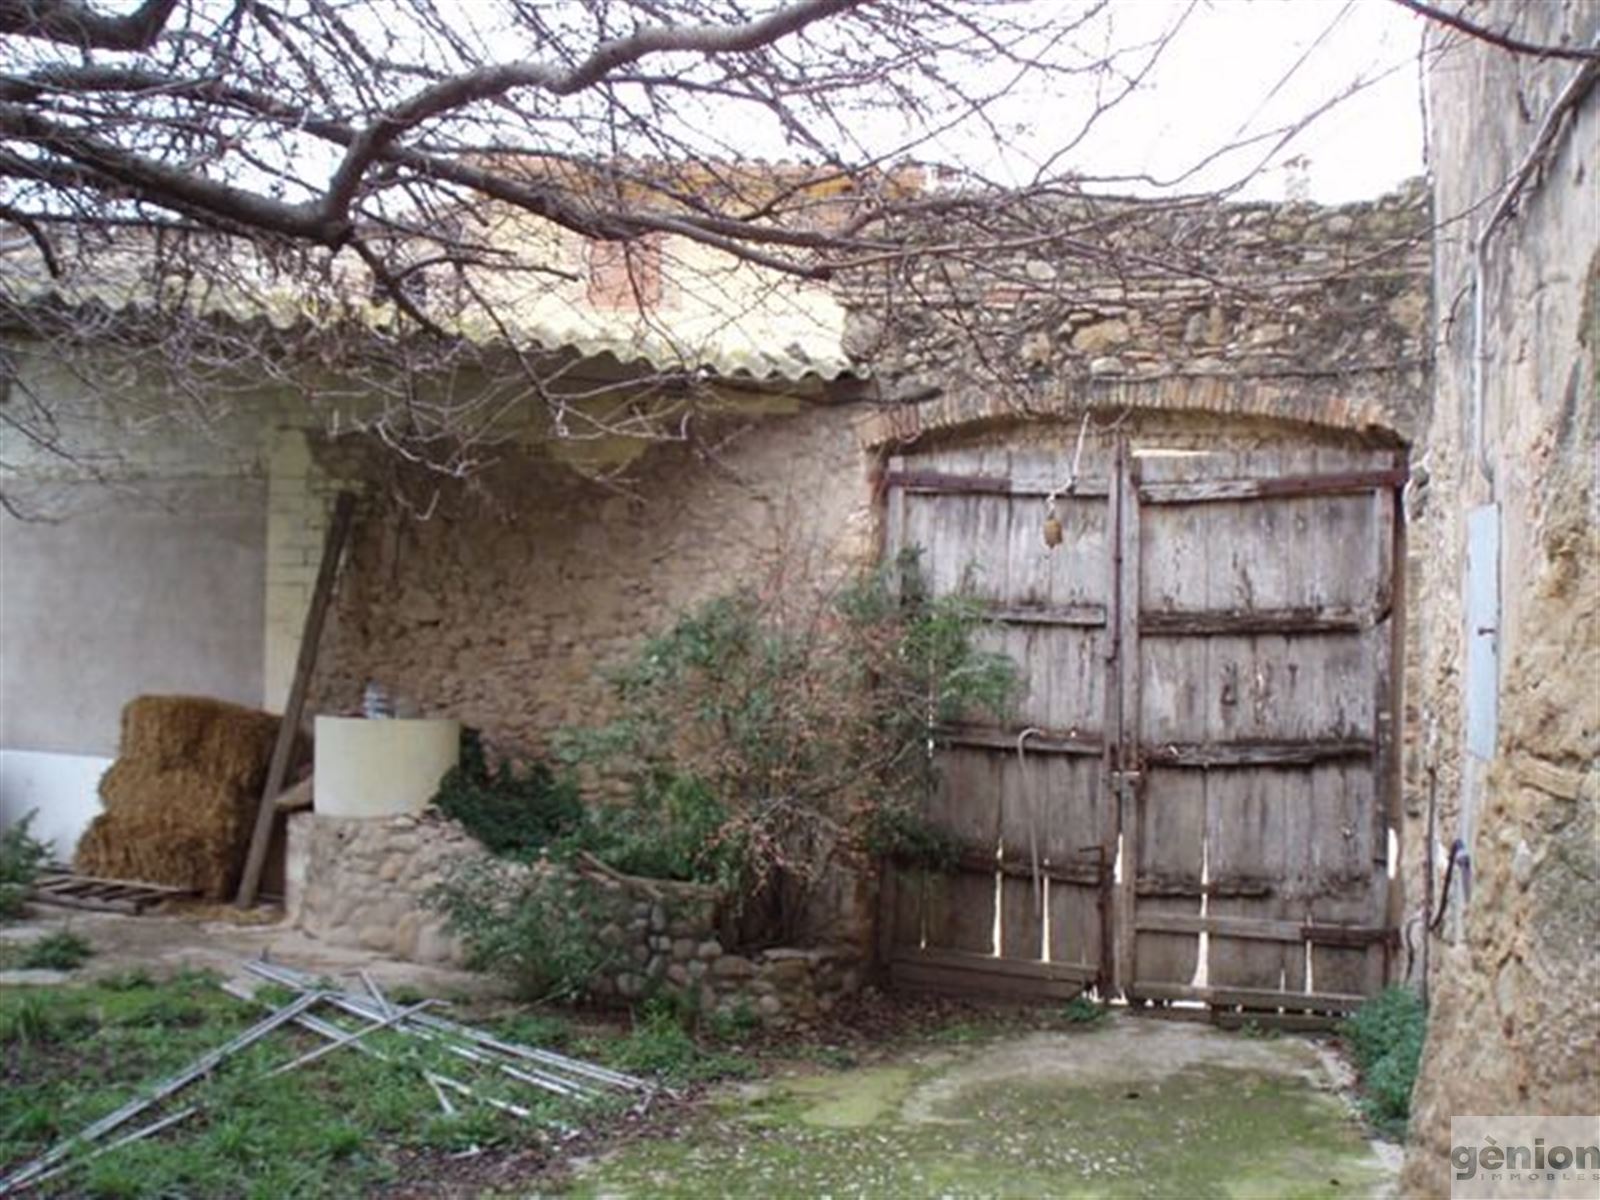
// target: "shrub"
[[1385, 1037], [515, 811], [59, 951], [529, 925], [21, 857], [764, 739], [674, 828]]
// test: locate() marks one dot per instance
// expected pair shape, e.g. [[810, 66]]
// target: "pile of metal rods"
[[569, 1078]]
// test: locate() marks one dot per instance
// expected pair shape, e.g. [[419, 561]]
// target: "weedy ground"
[[348, 1124], [898, 1098]]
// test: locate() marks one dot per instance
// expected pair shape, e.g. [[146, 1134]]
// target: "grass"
[[660, 1047], [1385, 1037], [346, 1124], [59, 951]]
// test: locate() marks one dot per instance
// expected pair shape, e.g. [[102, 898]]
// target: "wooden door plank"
[[1223, 490]]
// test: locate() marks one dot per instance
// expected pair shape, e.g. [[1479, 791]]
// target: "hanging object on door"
[[1054, 531]]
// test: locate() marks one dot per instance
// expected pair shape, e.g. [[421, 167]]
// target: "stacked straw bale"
[[180, 800]]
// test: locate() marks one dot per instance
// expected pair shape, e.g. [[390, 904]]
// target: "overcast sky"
[[1243, 67]]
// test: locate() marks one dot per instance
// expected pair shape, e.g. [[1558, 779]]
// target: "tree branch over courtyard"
[[408, 194]]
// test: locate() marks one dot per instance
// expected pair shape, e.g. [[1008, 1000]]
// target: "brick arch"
[[1384, 407]]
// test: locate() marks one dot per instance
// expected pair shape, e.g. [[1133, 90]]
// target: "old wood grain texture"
[[1208, 668], [289, 727]]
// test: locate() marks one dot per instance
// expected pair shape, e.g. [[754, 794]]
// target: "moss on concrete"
[[936, 1127]]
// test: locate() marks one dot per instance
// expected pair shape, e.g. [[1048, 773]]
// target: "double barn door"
[[1191, 799]]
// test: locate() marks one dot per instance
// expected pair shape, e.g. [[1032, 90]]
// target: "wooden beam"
[[1085, 616], [1205, 491], [1256, 754], [957, 972], [289, 728], [1244, 622], [1264, 930], [1048, 741], [943, 483]]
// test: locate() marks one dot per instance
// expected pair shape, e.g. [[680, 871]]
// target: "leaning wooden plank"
[[278, 768]]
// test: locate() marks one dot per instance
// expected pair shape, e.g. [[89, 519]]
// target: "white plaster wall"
[[62, 788]]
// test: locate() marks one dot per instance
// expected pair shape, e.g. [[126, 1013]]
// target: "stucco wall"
[[154, 589], [1515, 980]]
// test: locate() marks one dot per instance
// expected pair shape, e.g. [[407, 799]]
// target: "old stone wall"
[[1290, 311], [1514, 1025], [504, 607], [364, 882]]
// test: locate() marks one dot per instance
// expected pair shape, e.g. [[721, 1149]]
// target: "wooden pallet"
[[60, 885]]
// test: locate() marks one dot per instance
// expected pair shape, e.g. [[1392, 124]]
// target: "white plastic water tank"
[[381, 768]]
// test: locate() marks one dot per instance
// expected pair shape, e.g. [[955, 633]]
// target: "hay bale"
[[229, 742], [180, 801]]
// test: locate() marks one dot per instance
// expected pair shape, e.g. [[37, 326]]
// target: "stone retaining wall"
[[362, 882]]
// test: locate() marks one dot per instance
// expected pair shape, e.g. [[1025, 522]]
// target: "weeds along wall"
[[370, 883]]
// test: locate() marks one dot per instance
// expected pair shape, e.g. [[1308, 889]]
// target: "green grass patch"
[[660, 1047], [1385, 1037], [347, 1124], [59, 951]]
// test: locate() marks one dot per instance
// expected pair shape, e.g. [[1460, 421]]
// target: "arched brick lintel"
[[1380, 407]]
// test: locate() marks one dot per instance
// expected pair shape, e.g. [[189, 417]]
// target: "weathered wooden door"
[[1192, 800]]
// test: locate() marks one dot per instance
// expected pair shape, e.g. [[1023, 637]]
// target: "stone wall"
[[506, 605], [363, 882], [1279, 310], [1515, 978]]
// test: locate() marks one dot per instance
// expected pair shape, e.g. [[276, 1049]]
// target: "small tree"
[[786, 739]]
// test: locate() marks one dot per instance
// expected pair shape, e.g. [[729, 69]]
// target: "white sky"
[[1233, 68]]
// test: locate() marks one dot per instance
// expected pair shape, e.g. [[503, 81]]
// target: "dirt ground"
[[1127, 1106], [217, 938]]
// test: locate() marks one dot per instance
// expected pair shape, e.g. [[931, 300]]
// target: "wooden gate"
[[1192, 800]]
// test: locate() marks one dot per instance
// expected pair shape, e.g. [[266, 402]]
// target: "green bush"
[[1385, 1037], [21, 857], [766, 738], [532, 927], [514, 811], [673, 828]]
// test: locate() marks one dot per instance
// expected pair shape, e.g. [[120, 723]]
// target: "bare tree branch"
[[1503, 40], [77, 24]]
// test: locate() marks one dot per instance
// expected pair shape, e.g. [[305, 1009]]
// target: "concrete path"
[[1132, 1107]]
